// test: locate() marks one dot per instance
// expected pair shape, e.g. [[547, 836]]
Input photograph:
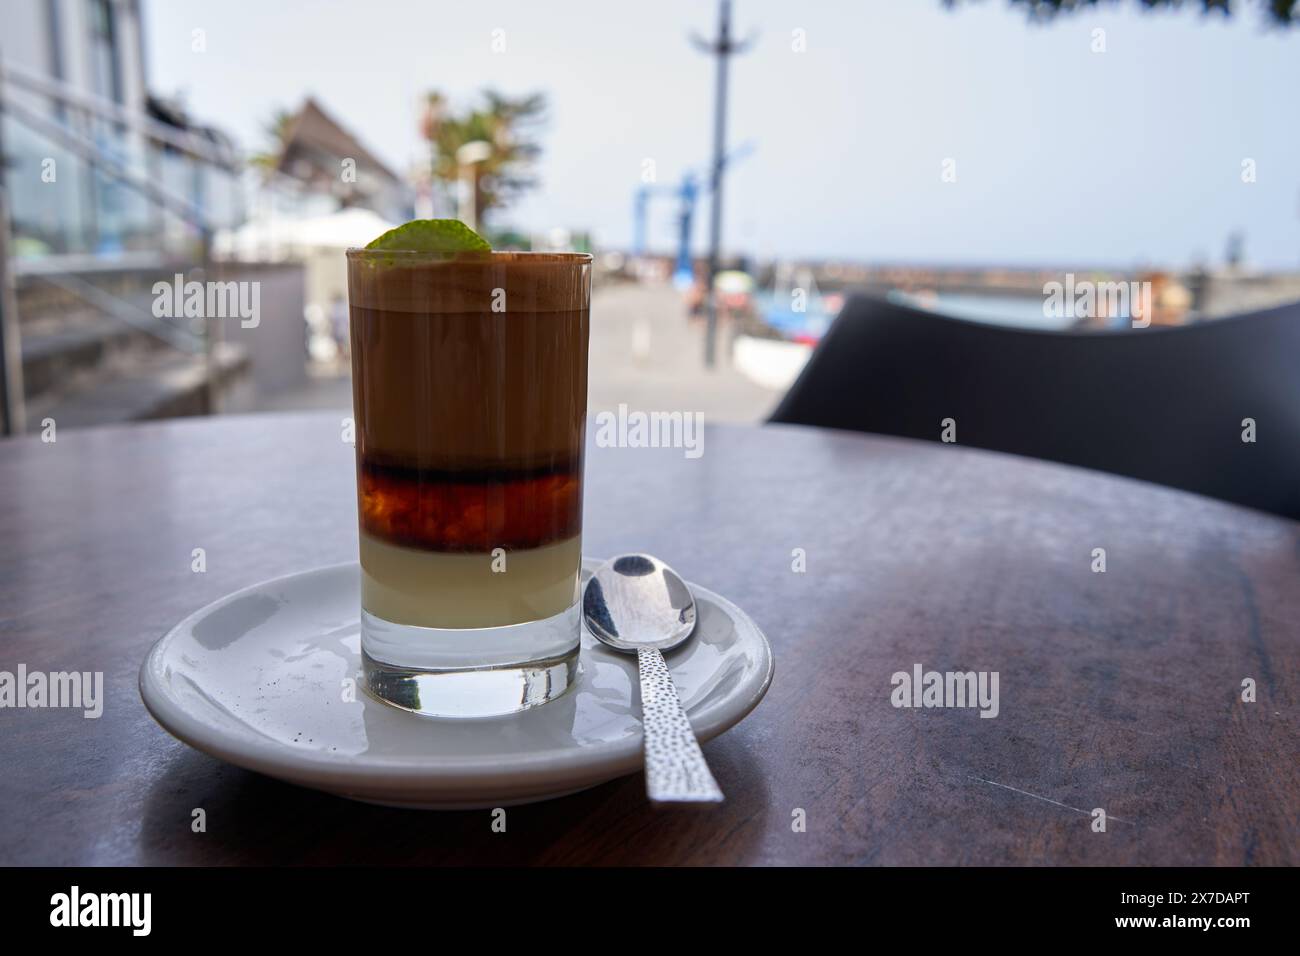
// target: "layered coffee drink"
[[470, 396]]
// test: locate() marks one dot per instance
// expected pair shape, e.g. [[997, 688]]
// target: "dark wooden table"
[[1119, 690]]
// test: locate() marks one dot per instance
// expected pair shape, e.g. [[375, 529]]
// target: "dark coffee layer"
[[454, 391], [470, 511]]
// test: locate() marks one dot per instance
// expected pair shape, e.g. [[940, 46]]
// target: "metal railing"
[[178, 337], [184, 141]]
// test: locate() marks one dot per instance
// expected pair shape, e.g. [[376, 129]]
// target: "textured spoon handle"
[[675, 770]]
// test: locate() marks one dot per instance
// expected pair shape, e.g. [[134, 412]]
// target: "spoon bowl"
[[637, 601]]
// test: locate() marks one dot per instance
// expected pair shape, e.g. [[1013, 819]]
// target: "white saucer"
[[257, 679]]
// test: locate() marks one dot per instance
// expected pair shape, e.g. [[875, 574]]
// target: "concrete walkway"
[[644, 353]]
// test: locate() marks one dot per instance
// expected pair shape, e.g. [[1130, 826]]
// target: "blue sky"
[[1063, 156]]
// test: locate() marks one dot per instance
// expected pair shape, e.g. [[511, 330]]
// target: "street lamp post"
[[723, 47], [469, 159]]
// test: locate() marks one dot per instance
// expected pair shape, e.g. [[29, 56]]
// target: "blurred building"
[[319, 193], [109, 190], [326, 168], [78, 66]]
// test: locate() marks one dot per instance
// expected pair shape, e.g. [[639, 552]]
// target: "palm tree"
[[507, 124], [276, 129]]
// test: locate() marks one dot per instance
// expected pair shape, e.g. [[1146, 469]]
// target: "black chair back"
[[1163, 404]]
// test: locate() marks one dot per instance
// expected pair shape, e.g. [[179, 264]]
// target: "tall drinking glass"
[[469, 386]]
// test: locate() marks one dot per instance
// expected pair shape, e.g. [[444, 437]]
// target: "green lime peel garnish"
[[446, 236]]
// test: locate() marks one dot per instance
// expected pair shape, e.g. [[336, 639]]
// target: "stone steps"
[[83, 367], [162, 384]]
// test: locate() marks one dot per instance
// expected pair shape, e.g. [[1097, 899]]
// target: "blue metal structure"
[[687, 192]]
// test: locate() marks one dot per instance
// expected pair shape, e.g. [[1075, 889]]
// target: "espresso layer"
[[471, 511]]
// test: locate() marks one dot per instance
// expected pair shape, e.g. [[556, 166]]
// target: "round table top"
[[1120, 690]]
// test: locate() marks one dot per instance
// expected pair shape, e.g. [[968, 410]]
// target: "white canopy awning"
[[280, 237]]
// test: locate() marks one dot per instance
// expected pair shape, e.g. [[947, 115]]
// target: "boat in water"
[[795, 308]]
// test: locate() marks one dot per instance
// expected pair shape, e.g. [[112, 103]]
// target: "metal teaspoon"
[[637, 604]]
